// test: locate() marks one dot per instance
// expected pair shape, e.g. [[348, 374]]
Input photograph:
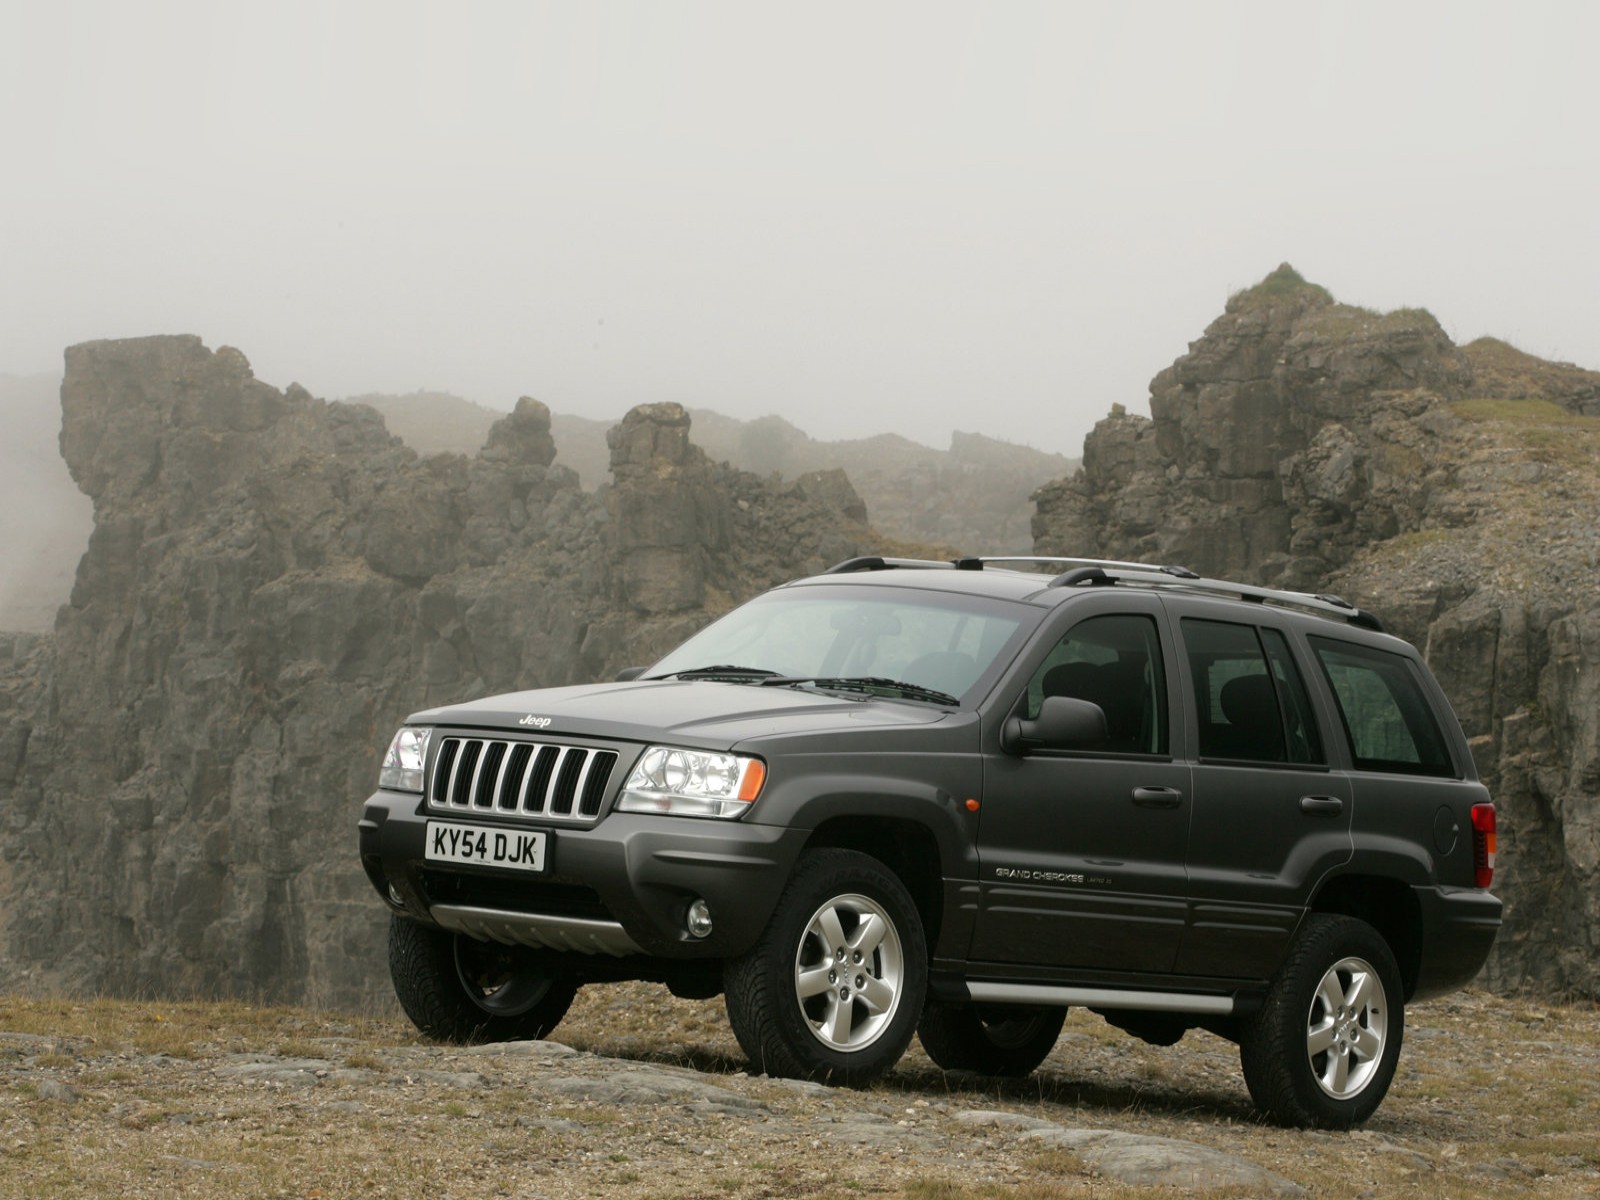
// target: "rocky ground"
[[647, 1096]]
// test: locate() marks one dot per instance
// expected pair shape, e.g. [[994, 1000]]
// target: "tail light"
[[1483, 844]]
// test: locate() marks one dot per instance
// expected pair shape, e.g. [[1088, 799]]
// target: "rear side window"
[[1386, 716], [1251, 704]]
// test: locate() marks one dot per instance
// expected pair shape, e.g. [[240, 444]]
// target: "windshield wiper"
[[872, 684], [738, 674]]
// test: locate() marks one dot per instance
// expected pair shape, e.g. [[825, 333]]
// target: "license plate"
[[483, 846]]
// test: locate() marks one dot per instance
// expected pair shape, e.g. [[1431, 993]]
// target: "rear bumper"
[[622, 886], [1459, 926]]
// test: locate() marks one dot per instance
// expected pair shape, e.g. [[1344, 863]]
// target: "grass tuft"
[[1285, 283]]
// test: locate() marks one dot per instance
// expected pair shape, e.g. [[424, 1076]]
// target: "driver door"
[[1082, 851]]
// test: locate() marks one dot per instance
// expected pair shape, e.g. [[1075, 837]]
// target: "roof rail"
[[1103, 572], [1175, 572], [873, 562], [1326, 605]]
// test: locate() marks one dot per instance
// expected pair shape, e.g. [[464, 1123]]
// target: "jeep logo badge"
[[536, 722]]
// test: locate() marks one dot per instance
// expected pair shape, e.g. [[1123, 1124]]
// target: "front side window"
[[1115, 662], [1386, 716]]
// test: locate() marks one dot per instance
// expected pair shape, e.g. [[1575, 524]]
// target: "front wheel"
[[989, 1039], [457, 989], [833, 987], [1323, 1049]]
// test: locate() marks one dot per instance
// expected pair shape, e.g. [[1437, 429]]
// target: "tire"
[[457, 989], [794, 1008], [989, 1039], [1322, 1051]]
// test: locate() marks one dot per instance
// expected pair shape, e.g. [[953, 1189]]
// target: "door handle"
[[1157, 797], [1321, 806]]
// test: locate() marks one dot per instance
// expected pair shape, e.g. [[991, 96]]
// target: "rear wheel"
[[1323, 1049], [833, 987], [457, 989], [989, 1039]]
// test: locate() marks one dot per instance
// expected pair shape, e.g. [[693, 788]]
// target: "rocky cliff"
[[974, 497], [1453, 490], [272, 584]]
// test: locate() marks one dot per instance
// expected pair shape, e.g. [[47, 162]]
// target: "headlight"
[[692, 783], [403, 764]]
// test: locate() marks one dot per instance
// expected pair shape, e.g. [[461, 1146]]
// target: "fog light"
[[395, 898], [699, 922]]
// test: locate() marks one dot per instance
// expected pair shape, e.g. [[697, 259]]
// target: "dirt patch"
[[645, 1095]]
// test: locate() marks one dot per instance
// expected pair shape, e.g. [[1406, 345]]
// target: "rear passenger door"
[[1271, 817]]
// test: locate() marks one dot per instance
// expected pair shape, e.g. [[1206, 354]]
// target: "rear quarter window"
[[1387, 719]]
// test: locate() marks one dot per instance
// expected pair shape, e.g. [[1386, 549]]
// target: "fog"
[[899, 216]]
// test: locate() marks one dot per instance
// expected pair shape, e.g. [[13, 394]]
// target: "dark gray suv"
[[953, 799]]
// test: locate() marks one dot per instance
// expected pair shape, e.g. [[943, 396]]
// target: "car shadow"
[[1047, 1086], [1061, 1090]]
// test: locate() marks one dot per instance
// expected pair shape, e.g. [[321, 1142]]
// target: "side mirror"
[[1063, 723], [629, 673]]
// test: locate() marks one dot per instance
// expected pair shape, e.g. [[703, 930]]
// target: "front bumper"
[[622, 886]]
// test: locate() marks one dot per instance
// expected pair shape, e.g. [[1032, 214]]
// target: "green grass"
[[1531, 411], [1282, 284], [1543, 430], [1337, 322]]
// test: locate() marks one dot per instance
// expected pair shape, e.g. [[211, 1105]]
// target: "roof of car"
[[1003, 584], [1043, 580]]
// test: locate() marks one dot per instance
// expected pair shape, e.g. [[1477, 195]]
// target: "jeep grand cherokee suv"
[[953, 799]]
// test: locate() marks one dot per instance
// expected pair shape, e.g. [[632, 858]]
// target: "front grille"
[[527, 779]]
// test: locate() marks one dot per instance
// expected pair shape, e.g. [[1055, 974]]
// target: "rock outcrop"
[[273, 583], [1307, 444], [974, 497]]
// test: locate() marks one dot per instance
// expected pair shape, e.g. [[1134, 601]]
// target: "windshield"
[[932, 640]]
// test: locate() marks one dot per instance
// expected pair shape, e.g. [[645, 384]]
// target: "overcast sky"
[[1001, 217]]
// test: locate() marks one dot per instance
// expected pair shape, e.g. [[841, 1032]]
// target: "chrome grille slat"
[[548, 804], [500, 778], [580, 783], [477, 774], [539, 777], [515, 778], [455, 770], [508, 797], [527, 776], [565, 800]]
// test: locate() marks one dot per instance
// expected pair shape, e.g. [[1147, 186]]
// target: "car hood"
[[703, 713]]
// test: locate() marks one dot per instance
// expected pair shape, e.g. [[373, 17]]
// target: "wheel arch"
[[908, 848], [1390, 907]]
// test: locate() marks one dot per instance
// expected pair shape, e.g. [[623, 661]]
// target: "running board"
[[583, 935], [1086, 997]]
